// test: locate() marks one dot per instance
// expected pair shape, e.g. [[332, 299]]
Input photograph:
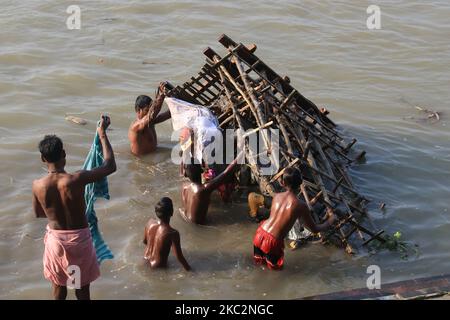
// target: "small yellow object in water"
[[293, 244]]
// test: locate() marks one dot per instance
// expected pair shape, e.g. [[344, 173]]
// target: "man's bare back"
[[142, 141], [196, 196], [196, 199], [286, 208], [160, 237], [60, 198]]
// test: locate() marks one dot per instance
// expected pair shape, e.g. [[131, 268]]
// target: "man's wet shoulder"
[[37, 184]]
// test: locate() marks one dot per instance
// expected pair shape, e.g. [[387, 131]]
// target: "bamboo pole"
[[280, 173], [309, 205], [249, 153], [315, 135], [338, 187], [319, 181], [312, 163], [284, 133], [264, 126], [231, 117], [260, 118]]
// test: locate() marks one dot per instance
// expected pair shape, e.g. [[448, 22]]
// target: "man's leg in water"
[[59, 292], [83, 293]]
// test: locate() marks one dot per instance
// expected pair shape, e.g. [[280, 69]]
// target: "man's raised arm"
[[163, 117], [152, 116], [217, 181], [109, 162]]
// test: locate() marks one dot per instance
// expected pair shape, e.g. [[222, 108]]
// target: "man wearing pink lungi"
[[66, 248], [69, 255]]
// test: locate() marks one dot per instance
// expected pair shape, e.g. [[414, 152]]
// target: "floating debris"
[[429, 115], [394, 243], [76, 120]]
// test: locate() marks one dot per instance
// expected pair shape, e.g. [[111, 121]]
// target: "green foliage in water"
[[394, 243]]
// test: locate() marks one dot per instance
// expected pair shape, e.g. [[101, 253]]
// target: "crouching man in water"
[[160, 237], [142, 133], [196, 196], [59, 196], [285, 210]]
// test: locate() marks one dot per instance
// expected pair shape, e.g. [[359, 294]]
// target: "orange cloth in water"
[[268, 249], [64, 248]]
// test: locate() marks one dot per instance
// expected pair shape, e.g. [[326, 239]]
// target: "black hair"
[[292, 178], [51, 148], [164, 208], [193, 172], [142, 102]]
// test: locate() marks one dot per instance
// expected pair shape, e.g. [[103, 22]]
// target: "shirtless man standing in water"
[[160, 237], [285, 210], [196, 196], [142, 133], [59, 197]]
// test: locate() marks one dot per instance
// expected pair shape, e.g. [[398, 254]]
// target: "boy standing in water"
[[160, 237], [142, 133], [59, 196], [285, 210]]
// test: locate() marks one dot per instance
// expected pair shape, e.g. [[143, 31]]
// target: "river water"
[[370, 80]]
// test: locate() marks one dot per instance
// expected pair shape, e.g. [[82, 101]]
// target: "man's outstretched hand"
[[105, 121], [162, 88]]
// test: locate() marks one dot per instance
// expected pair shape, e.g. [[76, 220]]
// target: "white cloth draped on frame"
[[199, 119]]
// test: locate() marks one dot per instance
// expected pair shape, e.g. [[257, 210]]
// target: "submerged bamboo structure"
[[244, 92]]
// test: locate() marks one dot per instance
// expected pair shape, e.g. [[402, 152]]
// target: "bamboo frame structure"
[[243, 92]]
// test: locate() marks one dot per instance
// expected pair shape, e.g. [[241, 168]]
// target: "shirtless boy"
[[285, 210], [59, 197], [142, 133], [160, 237]]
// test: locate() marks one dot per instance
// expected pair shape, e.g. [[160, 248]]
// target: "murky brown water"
[[370, 81]]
